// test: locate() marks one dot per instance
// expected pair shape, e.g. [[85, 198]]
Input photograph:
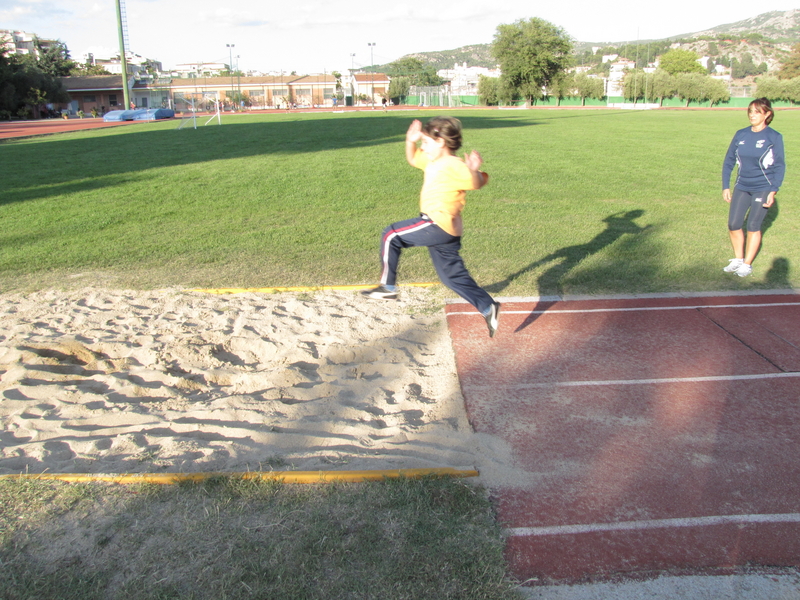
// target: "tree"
[[562, 86], [417, 72], [588, 87], [715, 91], [746, 67], [531, 54], [663, 86], [88, 69], [25, 87], [399, 88], [792, 90], [601, 69], [493, 91], [690, 86], [771, 87], [53, 60], [790, 67], [680, 61], [489, 90], [697, 87], [634, 85]]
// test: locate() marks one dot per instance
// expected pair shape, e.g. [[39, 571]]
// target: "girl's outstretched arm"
[[413, 135], [474, 161]]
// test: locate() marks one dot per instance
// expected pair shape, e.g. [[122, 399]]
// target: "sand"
[[114, 381]]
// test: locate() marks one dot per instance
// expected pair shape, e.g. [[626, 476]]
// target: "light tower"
[[122, 28], [372, 72], [230, 66]]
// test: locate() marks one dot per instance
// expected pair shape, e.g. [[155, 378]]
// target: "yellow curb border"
[[280, 476], [310, 288]]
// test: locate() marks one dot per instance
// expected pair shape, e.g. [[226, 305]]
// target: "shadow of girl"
[[566, 259]]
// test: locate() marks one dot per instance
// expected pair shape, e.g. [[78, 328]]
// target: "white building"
[[21, 42], [199, 69], [111, 62], [464, 80], [616, 76]]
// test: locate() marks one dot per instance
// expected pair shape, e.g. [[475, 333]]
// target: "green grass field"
[[580, 202]]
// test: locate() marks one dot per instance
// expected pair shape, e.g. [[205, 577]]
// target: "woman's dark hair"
[[446, 128], [763, 105]]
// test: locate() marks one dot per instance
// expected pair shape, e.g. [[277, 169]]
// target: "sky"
[[320, 36]]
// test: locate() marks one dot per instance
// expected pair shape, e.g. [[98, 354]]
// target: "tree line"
[[28, 82], [535, 59]]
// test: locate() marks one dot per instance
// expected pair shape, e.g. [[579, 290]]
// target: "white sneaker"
[[744, 270], [733, 265], [381, 293], [493, 318]]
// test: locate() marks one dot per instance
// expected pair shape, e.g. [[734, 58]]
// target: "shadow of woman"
[[778, 274], [566, 259]]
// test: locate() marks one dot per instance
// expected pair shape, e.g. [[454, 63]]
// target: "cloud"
[[16, 10], [232, 18]]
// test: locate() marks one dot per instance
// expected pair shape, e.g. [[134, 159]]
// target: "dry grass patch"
[[231, 538]]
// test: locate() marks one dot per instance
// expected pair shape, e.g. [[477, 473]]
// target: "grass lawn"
[[580, 201]]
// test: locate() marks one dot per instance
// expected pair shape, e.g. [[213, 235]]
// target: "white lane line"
[[553, 384], [652, 524], [629, 309]]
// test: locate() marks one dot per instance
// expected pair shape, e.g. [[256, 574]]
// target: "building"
[[136, 63], [616, 76], [271, 91], [202, 69], [314, 90], [104, 92], [369, 88], [464, 80], [21, 42], [101, 92]]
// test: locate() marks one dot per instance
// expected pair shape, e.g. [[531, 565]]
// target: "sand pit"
[[110, 381]]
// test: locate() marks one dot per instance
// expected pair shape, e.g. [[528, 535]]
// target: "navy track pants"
[[443, 248]]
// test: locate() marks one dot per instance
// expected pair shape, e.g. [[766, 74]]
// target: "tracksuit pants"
[[443, 248]]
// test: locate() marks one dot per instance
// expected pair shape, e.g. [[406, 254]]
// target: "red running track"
[[649, 434], [16, 129]]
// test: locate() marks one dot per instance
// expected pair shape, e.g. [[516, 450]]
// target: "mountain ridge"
[[780, 28]]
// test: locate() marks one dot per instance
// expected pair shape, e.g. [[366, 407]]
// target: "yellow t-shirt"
[[443, 191]]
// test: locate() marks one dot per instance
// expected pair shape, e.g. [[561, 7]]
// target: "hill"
[[477, 55], [781, 26], [768, 37]]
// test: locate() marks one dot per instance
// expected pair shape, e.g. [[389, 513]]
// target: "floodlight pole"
[[230, 66], [238, 80], [372, 72], [126, 96]]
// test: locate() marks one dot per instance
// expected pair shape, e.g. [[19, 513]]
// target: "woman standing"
[[758, 151]]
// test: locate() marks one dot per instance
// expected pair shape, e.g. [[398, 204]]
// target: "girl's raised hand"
[[414, 132], [473, 161]]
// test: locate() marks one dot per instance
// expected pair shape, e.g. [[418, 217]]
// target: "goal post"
[[191, 105]]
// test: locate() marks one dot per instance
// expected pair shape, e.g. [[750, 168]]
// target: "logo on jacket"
[[760, 143], [768, 160]]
